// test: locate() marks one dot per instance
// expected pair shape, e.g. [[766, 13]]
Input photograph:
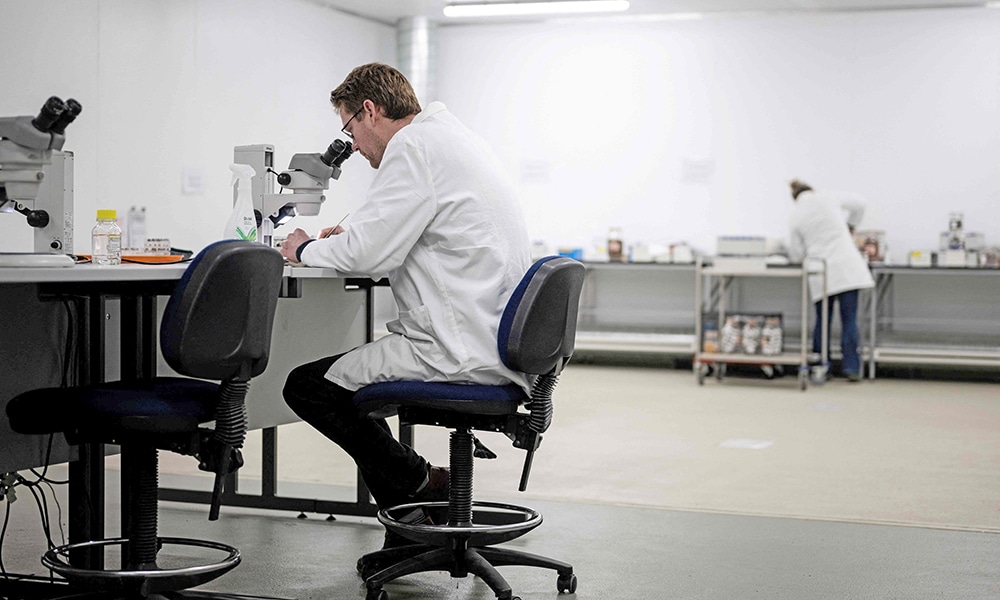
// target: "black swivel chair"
[[536, 336], [216, 326]]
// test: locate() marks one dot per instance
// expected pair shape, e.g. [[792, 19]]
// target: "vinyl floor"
[[655, 487]]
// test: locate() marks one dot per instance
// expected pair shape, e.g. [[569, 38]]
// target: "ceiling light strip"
[[498, 9]]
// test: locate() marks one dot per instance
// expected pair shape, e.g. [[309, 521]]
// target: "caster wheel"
[[567, 583], [379, 594], [699, 371]]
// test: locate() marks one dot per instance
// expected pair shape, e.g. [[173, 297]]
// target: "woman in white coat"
[[818, 229]]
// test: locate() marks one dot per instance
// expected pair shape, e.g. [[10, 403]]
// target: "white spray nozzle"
[[241, 171]]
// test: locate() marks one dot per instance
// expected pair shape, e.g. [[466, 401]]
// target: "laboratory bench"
[[637, 307], [86, 324], [913, 316], [948, 316]]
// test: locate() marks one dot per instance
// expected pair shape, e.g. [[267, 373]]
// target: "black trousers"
[[391, 470]]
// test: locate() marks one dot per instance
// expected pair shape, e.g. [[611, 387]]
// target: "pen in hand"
[[330, 231]]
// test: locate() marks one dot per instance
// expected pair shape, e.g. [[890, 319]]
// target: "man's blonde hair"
[[380, 83]]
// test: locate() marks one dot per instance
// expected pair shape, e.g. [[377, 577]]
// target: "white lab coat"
[[443, 223], [819, 229]]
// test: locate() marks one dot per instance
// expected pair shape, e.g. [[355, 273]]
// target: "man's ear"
[[378, 112]]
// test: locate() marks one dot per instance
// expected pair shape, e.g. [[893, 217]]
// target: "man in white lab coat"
[[819, 229], [442, 222]]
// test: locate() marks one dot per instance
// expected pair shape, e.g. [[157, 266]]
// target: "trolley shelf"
[[785, 358], [727, 268]]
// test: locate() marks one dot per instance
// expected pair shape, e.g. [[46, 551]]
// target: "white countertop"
[[127, 272]]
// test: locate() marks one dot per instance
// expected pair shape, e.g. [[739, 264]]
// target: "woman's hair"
[[380, 83], [798, 187]]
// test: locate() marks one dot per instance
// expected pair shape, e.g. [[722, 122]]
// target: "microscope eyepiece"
[[50, 112], [336, 153], [73, 108]]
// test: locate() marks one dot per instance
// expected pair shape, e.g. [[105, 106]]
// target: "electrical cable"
[[71, 335], [3, 534], [55, 497], [42, 514], [41, 476]]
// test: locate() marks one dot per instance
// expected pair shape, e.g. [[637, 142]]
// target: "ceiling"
[[390, 11]]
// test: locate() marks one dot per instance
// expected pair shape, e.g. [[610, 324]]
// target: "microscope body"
[[36, 176], [307, 176]]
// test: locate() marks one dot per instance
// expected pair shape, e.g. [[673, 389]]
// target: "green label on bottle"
[[250, 236]]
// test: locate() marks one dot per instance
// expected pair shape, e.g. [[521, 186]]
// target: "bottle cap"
[[107, 214]]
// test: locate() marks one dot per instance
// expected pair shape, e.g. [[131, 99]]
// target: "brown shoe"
[[438, 485]]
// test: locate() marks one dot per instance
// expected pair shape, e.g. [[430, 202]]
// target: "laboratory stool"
[[536, 336], [216, 332]]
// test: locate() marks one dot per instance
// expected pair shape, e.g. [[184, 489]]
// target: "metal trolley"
[[727, 269]]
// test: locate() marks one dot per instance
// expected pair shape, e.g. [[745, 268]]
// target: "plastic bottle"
[[107, 239], [242, 223]]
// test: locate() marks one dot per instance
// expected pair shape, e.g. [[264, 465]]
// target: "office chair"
[[216, 326], [536, 336]]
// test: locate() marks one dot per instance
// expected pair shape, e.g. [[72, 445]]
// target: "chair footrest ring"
[[517, 521], [148, 580]]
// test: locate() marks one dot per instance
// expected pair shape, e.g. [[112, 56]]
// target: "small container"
[[157, 246], [616, 250], [107, 239]]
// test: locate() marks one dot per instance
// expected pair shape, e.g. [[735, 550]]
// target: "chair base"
[[482, 562], [515, 521], [146, 582], [459, 550]]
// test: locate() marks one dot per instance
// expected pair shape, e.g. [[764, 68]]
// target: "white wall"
[[679, 130], [169, 85], [685, 130]]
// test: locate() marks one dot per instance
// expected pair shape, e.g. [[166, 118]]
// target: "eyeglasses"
[[344, 128]]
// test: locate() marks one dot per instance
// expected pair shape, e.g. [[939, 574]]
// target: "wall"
[[685, 130], [674, 130], [169, 86]]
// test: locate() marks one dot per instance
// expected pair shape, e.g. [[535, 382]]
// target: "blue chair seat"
[[164, 405], [380, 400]]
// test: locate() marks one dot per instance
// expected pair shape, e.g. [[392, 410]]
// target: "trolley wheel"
[[803, 380], [699, 373], [566, 583], [720, 370], [378, 594]]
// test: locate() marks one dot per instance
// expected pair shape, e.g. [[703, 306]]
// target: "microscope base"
[[26, 259]]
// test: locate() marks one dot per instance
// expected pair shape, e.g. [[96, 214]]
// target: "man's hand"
[[291, 244]]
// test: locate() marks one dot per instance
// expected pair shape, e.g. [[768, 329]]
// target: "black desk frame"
[[268, 497], [138, 359]]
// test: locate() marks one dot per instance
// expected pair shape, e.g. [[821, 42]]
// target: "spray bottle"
[[242, 223]]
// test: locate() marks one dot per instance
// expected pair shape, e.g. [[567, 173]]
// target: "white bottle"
[[242, 223], [107, 239]]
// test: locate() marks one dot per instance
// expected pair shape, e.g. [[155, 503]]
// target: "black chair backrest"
[[538, 327], [217, 323]]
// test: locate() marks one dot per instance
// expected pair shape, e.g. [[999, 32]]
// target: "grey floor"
[[675, 511], [617, 552]]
